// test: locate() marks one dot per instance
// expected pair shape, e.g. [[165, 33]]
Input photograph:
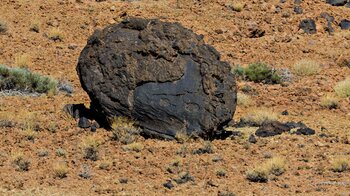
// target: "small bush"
[[257, 175], [60, 170], [238, 7], [137, 147], [3, 27], [24, 80], [21, 162], [56, 34], [105, 165], [124, 130], [221, 172], [258, 72], [306, 68], [60, 152], [259, 117], [244, 100], [182, 137], [35, 26], [206, 149], [275, 166], [340, 165], [342, 88], [30, 134], [90, 148], [329, 102]]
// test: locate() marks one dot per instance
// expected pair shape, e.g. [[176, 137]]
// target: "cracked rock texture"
[[160, 74]]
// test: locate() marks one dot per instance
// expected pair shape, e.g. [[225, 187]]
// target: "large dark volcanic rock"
[[160, 74]]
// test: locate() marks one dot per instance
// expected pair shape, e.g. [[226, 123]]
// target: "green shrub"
[[258, 72], [24, 80]]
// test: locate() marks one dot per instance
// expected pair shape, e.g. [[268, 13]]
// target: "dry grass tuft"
[[137, 147], [90, 146], [20, 161], [275, 166], [238, 7], [340, 165], [244, 100], [260, 116], [23, 61], [306, 68], [60, 170], [56, 34], [329, 102], [342, 88], [124, 130]]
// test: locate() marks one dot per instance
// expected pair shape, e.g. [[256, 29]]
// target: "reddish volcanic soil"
[[308, 158]]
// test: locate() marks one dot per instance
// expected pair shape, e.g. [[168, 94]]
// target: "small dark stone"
[[327, 16], [168, 185], [298, 10], [337, 2], [43, 153], [283, 1], [308, 25], [272, 129], [252, 139], [7, 124], [324, 129], [347, 4], [123, 180], [256, 33], [344, 24], [293, 125], [184, 177], [305, 131], [94, 126], [329, 28], [84, 123], [285, 113], [323, 135]]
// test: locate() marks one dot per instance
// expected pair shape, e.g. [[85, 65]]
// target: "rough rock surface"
[[308, 25], [160, 74], [337, 2]]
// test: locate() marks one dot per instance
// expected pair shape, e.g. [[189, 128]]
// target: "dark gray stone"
[[308, 25], [84, 123], [337, 2], [161, 75], [305, 131], [252, 139], [272, 129], [298, 10], [344, 24]]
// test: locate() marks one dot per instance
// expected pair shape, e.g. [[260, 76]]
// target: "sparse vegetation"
[[182, 137], [56, 34], [244, 100], [60, 170], [260, 116], [90, 146], [124, 130], [329, 102], [60, 152], [3, 27], [20, 162], [206, 149], [342, 88], [221, 172], [23, 61], [137, 147], [238, 7], [105, 164], [258, 72], [24, 80], [306, 68], [257, 175], [340, 165], [35, 26], [29, 134], [275, 166]]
